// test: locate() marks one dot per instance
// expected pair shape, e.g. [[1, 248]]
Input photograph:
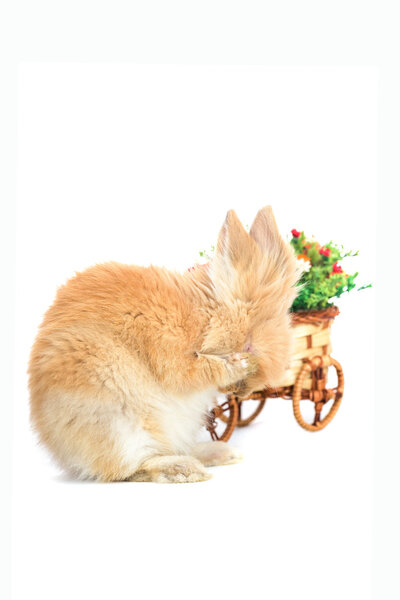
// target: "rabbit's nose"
[[248, 347]]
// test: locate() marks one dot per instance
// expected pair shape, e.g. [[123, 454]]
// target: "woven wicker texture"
[[311, 338], [315, 316]]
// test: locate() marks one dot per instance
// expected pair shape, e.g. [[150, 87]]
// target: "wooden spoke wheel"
[[258, 397], [319, 393], [228, 413]]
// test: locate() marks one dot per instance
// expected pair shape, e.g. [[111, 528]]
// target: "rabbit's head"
[[254, 277]]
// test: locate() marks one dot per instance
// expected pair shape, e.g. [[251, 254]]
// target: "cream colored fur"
[[128, 359]]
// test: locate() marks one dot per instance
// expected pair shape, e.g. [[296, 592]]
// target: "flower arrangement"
[[323, 278]]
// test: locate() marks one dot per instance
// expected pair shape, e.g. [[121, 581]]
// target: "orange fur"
[[127, 357]]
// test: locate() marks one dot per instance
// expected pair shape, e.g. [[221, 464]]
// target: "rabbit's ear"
[[266, 233], [232, 239], [233, 251]]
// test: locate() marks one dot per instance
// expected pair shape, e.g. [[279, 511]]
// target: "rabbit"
[[128, 359]]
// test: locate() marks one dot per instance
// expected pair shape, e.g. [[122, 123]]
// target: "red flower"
[[295, 233], [325, 251], [336, 268]]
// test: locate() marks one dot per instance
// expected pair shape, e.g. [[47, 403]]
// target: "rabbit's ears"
[[240, 255]]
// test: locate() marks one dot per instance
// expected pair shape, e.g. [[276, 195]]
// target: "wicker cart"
[[305, 379]]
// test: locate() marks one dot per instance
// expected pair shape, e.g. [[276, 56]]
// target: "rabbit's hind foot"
[[171, 469]]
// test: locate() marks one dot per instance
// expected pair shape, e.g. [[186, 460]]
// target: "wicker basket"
[[312, 332], [305, 378]]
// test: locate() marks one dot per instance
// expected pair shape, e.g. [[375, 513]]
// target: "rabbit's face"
[[259, 272], [271, 343]]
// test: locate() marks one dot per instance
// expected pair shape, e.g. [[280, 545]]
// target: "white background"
[[140, 164]]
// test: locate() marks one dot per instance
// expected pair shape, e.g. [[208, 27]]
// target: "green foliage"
[[207, 255], [323, 278]]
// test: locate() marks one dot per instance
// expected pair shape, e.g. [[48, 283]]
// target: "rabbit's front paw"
[[241, 365]]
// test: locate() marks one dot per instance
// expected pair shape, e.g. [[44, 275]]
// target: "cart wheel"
[[228, 413], [258, 397], [319, 394]]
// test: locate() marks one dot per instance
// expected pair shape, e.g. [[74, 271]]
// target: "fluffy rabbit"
[[128, 359]]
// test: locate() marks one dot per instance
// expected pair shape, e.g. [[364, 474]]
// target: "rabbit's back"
[[109, 316], [92, 368]]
